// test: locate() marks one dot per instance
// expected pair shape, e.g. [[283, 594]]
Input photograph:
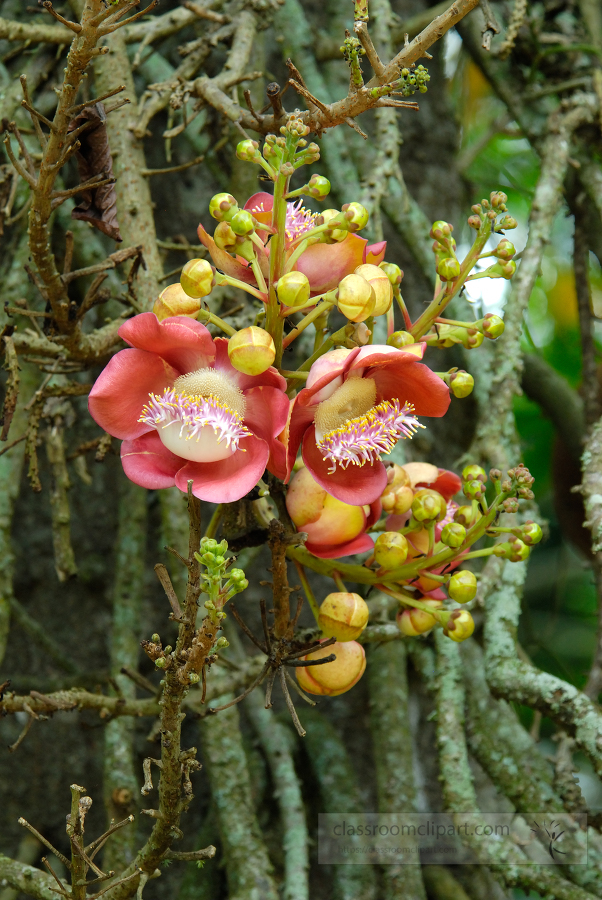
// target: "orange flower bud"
[[356, 298], [197, 278], [326, 520], [337, 677], [174, 301], [251, 350], [390, 549], [381, 286], [343, 615], [412, 622]]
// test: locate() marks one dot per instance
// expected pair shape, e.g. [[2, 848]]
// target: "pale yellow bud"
[[251, 350], [356, 298], [197, 278], [343, 615], [381, 286], [174, 301], [293, 289]]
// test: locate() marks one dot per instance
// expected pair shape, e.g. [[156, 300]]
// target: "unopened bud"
[[462, 586], [357, 216], [293, 289], [498, 199], [393, 272], [197, 278], [174, 301], [474, 473], [356, 298], [247, 150], [381, 286], [506, 223], [502, 270], [460, 625], [160, 662], [505, 249], [461, 384], [318, 187], [334, 235], [251, 350], [412, 622], [532, 533], [222, 207], [225, 238], [491, 326], [448, 269], [466, 516], [155, 638], [335, 677], [474, 490], [400, 339], [441, 231], [390, 550], [515, 551], [242, 222], [343, 615], [453, 535], [475, 222], [428, 505], [193, 678], [222, 643], [510, 505]]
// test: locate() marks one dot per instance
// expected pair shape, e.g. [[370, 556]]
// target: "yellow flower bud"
[[380, 285], [336, 235], [412, 622], [225, 238], [462, 586], [460, 625], [356, 298], [174, 301], [251, 350], [197, 278], [337, 677], [461, 384], [293, 289], [343, 616], [390, 550], [400, 339], [428, 505], [392, 271]]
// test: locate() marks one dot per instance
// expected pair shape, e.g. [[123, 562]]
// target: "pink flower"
[[184, 413], [356, 405], [324, 264]]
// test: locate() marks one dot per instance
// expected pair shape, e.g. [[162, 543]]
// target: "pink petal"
[[223, 261], [383, 355], [330, 366], [148, 463], [447, 483], [412, 382], [229, 479], [363, 543], [270, 378], [183, 342], [301, 418], [326, 264], [122, 389], [374, 514], [266, 415], [375, 253], [356, 485]]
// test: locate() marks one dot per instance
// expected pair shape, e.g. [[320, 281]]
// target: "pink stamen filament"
[[193, 414]]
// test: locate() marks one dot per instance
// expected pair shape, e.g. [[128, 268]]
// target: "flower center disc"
[[354, 398]]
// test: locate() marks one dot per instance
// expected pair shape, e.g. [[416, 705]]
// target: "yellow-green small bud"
[[441, 231], [293, 289], [491, 326], [474, 490], [390, 550], [462, 586], [531, 533], [251, 350], [515, 551], [242, 223], [222, 206], [356, 298], [448, 269], [506, 223], [466, 516], [461, 384], [453, 535], [412, 622], [392, 271], [247, 150], [505, 249], [475, 222], [428, 505], [357, 216], [334, 235], [174, 301], [197, 278], [318, 187], [225, 238], [460, 625], [193, 678], [160, 662], [381, 285], [474, 473], [400, 339], [155, 638], [343, 615]]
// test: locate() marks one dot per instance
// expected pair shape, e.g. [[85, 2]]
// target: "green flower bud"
[[461, 384], [515, 551], [453, 535], [390, 549], [502, 270], [222, 643], [505, 249], [247, 150], [462, 586], [441, 231], [448, 269], [222, 206], [393, 272], [460, 625], [474, 473], [197, 278], [491, 326], [225, 238], [428, 505], [318, 187], [400, 339], [532, 533], [155, 638], [465, 516], [193, 678], [357, 216], [160, 662], [208, 545], [506, 223], [474, 490], [242, 222], [293, 289]]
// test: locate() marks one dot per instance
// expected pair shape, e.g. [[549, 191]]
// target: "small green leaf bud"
[[475, 222], [448, 269], [390, 549], [160, 662], [155, 638], [209, 604], [357, 216], [222, 206], [222, 643], [225, 238], [461, 384], [462, 586], [532, 533], [168, 649], [193, 678], [515, 551], [247, 150], [242, 222], [393, 272], [460, 625], [428, 505], [441, 231], [453, 535], [400, 339], [491, 326], [318, 187], [505, 249], [197, 278], [506, 223], [293, 289], [474, 473], [209, 545]]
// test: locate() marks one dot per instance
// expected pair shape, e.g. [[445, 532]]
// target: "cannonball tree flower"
[[355, 407], [184, 413], [325, 265]]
